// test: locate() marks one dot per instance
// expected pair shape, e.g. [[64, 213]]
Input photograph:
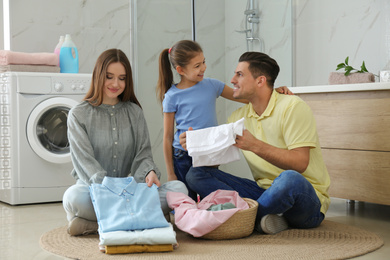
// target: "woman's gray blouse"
[[109, 141]]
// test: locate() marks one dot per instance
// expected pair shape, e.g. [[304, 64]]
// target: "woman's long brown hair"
[[95, 93]]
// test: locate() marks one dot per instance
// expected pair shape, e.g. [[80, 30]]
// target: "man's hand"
[[183, 139], [246, 141], [295, 159], [152, 178]]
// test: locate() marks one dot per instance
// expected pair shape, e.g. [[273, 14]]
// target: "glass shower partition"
[[228, 28]]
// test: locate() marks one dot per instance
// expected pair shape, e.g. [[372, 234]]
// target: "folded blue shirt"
[[122, 204]]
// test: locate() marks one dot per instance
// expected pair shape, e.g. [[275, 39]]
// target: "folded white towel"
[[43, 58], [154, 236], [214, 145]]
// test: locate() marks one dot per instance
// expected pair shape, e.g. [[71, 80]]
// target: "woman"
[[108, 136]]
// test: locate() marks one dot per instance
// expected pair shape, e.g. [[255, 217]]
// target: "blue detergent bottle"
[[69, 56]]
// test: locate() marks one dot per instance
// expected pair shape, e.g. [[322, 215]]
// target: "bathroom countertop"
[[341, 88]]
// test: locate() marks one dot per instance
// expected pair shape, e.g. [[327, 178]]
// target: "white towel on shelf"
[[214, 145]]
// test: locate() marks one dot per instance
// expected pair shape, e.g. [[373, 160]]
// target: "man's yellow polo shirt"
[[287, 123]]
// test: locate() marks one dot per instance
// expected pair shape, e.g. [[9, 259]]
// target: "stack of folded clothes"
[[29, 62], [130, 217]]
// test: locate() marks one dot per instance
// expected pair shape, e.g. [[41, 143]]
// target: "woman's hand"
[[152, 178]]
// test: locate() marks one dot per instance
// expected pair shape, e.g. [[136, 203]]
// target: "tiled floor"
[[22, 226]]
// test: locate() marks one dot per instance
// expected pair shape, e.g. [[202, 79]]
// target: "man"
[[281, 146]]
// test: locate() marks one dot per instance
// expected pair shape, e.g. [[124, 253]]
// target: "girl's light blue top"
[[193, 107]]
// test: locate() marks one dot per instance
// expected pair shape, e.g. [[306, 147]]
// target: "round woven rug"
[[329, 241]]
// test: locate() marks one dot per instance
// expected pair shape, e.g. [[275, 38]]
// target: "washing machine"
[[35, 161]]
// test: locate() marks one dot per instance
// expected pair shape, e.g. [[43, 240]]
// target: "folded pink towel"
[[43, 58], [195, 219], [336, 78]]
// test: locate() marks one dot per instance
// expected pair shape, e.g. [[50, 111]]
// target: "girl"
[[108, 136], [190, 103]]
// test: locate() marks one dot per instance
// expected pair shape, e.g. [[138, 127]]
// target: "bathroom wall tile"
[[210, 34], [159, 25], [322, 35], [274, 30], [328, 32], [1, 28], [94, 26]]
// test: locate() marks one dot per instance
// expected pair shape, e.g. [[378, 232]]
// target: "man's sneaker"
[[272, 224], [80, 226]]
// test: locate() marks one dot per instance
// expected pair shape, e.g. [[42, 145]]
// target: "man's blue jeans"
[[182, 162], [290, 194]]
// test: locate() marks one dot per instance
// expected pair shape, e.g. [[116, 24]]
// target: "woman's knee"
[[175, 186], [76, 193], [77, 202]]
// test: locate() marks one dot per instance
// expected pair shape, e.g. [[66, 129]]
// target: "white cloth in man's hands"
[[214, 145]]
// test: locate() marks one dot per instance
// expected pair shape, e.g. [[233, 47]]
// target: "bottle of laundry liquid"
[[58, 48], [69, 56]]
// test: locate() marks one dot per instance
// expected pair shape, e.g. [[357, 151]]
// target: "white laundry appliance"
[[35, 162]]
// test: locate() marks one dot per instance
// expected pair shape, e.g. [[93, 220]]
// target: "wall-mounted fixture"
[[252, 20]]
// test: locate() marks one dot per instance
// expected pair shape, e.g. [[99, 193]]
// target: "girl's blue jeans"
[[290, 194], [182, 162]]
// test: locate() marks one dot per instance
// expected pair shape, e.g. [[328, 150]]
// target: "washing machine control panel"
[[71, 84]]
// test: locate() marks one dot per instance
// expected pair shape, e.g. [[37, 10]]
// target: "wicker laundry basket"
[[240, 225]]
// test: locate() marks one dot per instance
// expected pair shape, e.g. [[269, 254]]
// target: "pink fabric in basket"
[[195, 219]]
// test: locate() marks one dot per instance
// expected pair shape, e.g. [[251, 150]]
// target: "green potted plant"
[[351, 75], [348, 69]]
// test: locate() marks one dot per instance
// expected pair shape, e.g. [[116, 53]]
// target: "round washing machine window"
[[47, 129]]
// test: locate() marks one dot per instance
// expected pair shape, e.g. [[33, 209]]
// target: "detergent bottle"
[[58, 48], [69, 56]]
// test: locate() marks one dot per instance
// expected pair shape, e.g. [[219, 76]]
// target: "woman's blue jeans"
[[290, 194]]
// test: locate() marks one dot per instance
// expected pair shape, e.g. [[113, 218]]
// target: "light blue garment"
[[154, 236], [193, 107], [123, 204], [77, 199]]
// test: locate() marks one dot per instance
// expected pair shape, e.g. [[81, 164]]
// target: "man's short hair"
[[260, 64]]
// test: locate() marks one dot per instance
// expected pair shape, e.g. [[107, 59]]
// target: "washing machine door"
[[47, 129]]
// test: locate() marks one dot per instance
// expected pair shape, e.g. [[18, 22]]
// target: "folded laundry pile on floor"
[[214, 145], [204, 217], [130, 217], [29, 62]]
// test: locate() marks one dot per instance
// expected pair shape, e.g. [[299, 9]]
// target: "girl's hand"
[[183, 138], [284, 90], [152, 178]]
